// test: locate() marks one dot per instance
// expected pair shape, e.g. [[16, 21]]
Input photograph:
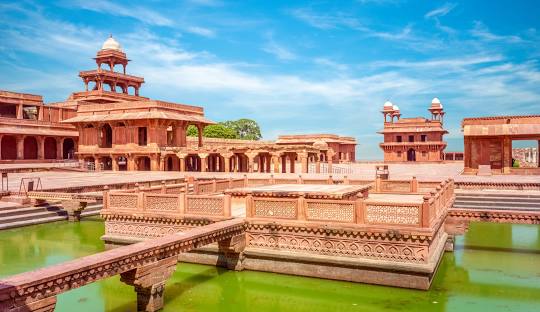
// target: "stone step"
[[31, 216], [22, 223], [464, 206], [26, 211], [497, 203]]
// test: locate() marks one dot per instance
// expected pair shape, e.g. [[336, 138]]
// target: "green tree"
[[213, 131], [246, 129]]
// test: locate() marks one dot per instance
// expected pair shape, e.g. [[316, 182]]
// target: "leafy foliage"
[[244, 129]]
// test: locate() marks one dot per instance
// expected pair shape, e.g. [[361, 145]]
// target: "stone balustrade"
[[146, 266]]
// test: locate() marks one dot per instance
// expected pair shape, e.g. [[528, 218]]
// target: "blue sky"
[[294, 66]]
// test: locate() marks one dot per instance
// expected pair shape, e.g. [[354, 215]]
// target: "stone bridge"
[[73, 203], [146, 266]]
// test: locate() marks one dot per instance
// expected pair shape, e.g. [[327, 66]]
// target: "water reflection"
[[495, 267]]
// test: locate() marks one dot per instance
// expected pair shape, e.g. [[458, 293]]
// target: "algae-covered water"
[[495, 267]]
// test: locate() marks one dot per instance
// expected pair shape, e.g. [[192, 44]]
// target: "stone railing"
[[146, 266], [217, 186], [166, 205], [423, 213]]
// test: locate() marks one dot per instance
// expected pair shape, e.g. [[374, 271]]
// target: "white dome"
[[395, 107], [435, 101], [388, 104], [111, 44]]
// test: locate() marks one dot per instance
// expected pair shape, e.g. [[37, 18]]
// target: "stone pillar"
[[130, 163], [59, 146], [231, 252], [149, 282], [182, 158], [275, 162], [507, 155], [114, 160], [304, 162], [97, 164], [20, 111], [227, 161], [204, 162], [292, 161], [41, 147], [318, 166], [154, 163], [284, 164], [200, 132], [20, 147], [251, 159], [162, 163]]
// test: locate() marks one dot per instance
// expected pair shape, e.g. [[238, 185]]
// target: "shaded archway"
[[193, 163], [30, 148], [106, 163], [9, 147], [105, 136], [122, 163], [50, 148], [143, 163], [68, 148], [411, 155]]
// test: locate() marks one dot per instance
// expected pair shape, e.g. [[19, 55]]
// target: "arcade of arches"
[[29, 147]]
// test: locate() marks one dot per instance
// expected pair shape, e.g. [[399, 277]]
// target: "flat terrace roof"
[[296, 190]]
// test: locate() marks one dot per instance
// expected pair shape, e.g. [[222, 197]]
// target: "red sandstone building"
[[32, 132], [413, 139], [117, 129], [488, 143]]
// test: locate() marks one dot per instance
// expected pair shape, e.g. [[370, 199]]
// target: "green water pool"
[[495, 267]]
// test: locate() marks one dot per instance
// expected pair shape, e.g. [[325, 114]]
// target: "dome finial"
[[111, 44]]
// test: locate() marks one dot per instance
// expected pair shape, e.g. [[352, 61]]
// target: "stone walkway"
[[424, 172]]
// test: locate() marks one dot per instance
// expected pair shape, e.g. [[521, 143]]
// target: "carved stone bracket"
[[73, 209], [149, 282], [42, 305], [231, 252]]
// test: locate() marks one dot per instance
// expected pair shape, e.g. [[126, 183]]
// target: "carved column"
[[114, 160], [154, 163], [200, 133], [293, 162], [227, 161], [149, 282], [97, 164], [231, 253], [182, 158], [251, 160], [304, 162], [59, 145], [204, 161], [20, 111], [20, 147], [130, 163], [41, 147], [275, 162]]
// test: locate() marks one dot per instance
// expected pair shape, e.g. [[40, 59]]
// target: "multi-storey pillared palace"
[[413, 139], [109, 126]]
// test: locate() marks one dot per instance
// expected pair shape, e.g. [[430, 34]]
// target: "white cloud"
[[482, 32], [205, 32], [441, 11], [142, 14], [278, 51]]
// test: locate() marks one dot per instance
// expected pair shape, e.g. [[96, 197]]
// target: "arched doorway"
[[50, 148], [9, 147], [106, 136], [411, 155], [193, 163], [143, 163], [68, 148], [30, 148], [122, 163], [106, 163], [170, 164]]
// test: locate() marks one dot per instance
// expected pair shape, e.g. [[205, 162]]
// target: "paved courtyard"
[[361, 171]]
